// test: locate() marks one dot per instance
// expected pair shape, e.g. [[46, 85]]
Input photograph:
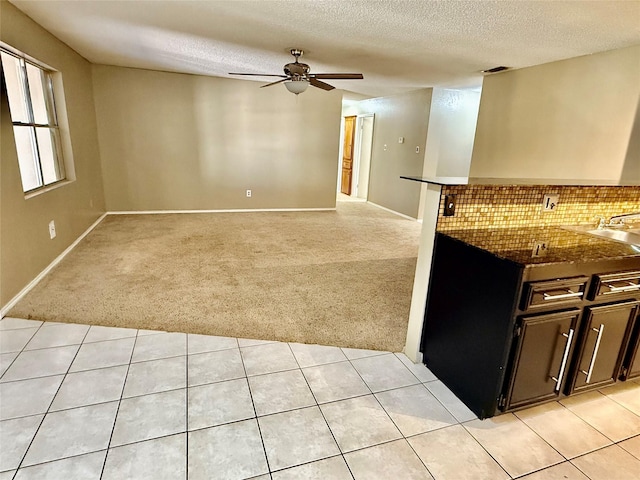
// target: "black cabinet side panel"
[[469, 321]]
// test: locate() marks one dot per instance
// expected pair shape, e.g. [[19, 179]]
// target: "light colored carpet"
[[335, 278]]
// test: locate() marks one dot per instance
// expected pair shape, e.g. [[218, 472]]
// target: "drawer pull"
[[595, 352], [571, 294], [563, 364], [625, 288]]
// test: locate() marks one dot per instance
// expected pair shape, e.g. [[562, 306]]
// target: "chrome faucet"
[[618, 220]]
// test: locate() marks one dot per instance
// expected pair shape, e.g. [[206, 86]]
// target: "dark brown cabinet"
[[542, 349], [631, 365], [504, 335], [605, 337]]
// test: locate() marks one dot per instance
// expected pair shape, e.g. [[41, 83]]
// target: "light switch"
[[550, 202], [417, 149], [400, 139]]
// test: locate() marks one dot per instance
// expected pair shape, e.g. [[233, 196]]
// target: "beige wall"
[[564, 120], [407, 116], [452, 128], [25, 247], [184, 142]]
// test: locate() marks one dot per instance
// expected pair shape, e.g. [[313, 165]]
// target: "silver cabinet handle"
[[626, 288], [595, 352], [571, 294], [565, 355]]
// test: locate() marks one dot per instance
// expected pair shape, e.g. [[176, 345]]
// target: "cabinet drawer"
[[553, 292], [615, 284]]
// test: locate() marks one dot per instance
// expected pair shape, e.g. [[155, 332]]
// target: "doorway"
[[346, 180], [355, 165]]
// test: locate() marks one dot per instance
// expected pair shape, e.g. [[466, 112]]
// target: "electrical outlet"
[[550, 202], [385, 147], [248, 193], [449, 205], [539, 249], [52, 229]]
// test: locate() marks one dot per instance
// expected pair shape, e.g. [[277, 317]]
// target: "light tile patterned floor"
[[81, 402]]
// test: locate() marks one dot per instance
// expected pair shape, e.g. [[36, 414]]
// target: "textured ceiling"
[[398, 45]]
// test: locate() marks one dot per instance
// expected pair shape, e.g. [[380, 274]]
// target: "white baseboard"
[[393, 211], [239, 210], [5, 309]]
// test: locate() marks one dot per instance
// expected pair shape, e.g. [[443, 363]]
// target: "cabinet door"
[[543, 346], [631, 365], [603, 344]]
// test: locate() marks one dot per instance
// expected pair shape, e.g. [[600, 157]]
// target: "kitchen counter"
[[512, 181], [553, 245], [505, 330]]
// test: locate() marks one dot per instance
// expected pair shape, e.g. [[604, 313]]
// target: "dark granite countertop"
[[513, 181], [553, 244]]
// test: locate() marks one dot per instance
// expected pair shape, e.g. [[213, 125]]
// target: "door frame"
[[357, 153]]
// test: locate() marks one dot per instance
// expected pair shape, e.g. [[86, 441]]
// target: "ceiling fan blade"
[[259, 75], [338, 76], [273, 83], [319, 84]]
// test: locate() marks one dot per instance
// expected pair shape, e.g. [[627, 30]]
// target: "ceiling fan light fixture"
[[296, 85]]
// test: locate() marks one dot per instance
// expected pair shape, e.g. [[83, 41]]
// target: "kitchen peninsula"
[[522, 311]]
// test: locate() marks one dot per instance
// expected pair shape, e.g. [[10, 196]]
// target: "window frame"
[[52, 124]]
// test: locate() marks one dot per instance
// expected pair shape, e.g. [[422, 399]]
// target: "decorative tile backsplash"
[[482, 206]]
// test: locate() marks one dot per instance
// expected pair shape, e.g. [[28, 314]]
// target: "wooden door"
[[544, 344], [604, 343], [347, 154]]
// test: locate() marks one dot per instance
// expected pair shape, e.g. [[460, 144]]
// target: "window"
[[35, 126]]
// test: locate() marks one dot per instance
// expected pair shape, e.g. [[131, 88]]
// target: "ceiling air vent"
[[495, 69]]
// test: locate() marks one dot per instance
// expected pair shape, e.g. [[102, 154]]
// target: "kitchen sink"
[[628, 235]]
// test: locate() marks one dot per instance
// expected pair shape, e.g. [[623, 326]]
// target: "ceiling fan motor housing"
[[296, 69]]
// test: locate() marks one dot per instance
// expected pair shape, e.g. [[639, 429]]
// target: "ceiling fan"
[[298, 77]]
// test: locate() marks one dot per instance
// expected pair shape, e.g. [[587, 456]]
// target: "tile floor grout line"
[[264, 449], [594, 426], [115, 418], [404, 437], [401, 432], [186, 406], [77, 455], [580, 470], [582, 420], [447, 408], [72, 344], [376, 399], [486, 451], [544, 440], [408, 369], [22, 350], [616, 401], [305, 463], [7, 317], [416, 453], [546, 468], [50, 403], [323, 416]]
